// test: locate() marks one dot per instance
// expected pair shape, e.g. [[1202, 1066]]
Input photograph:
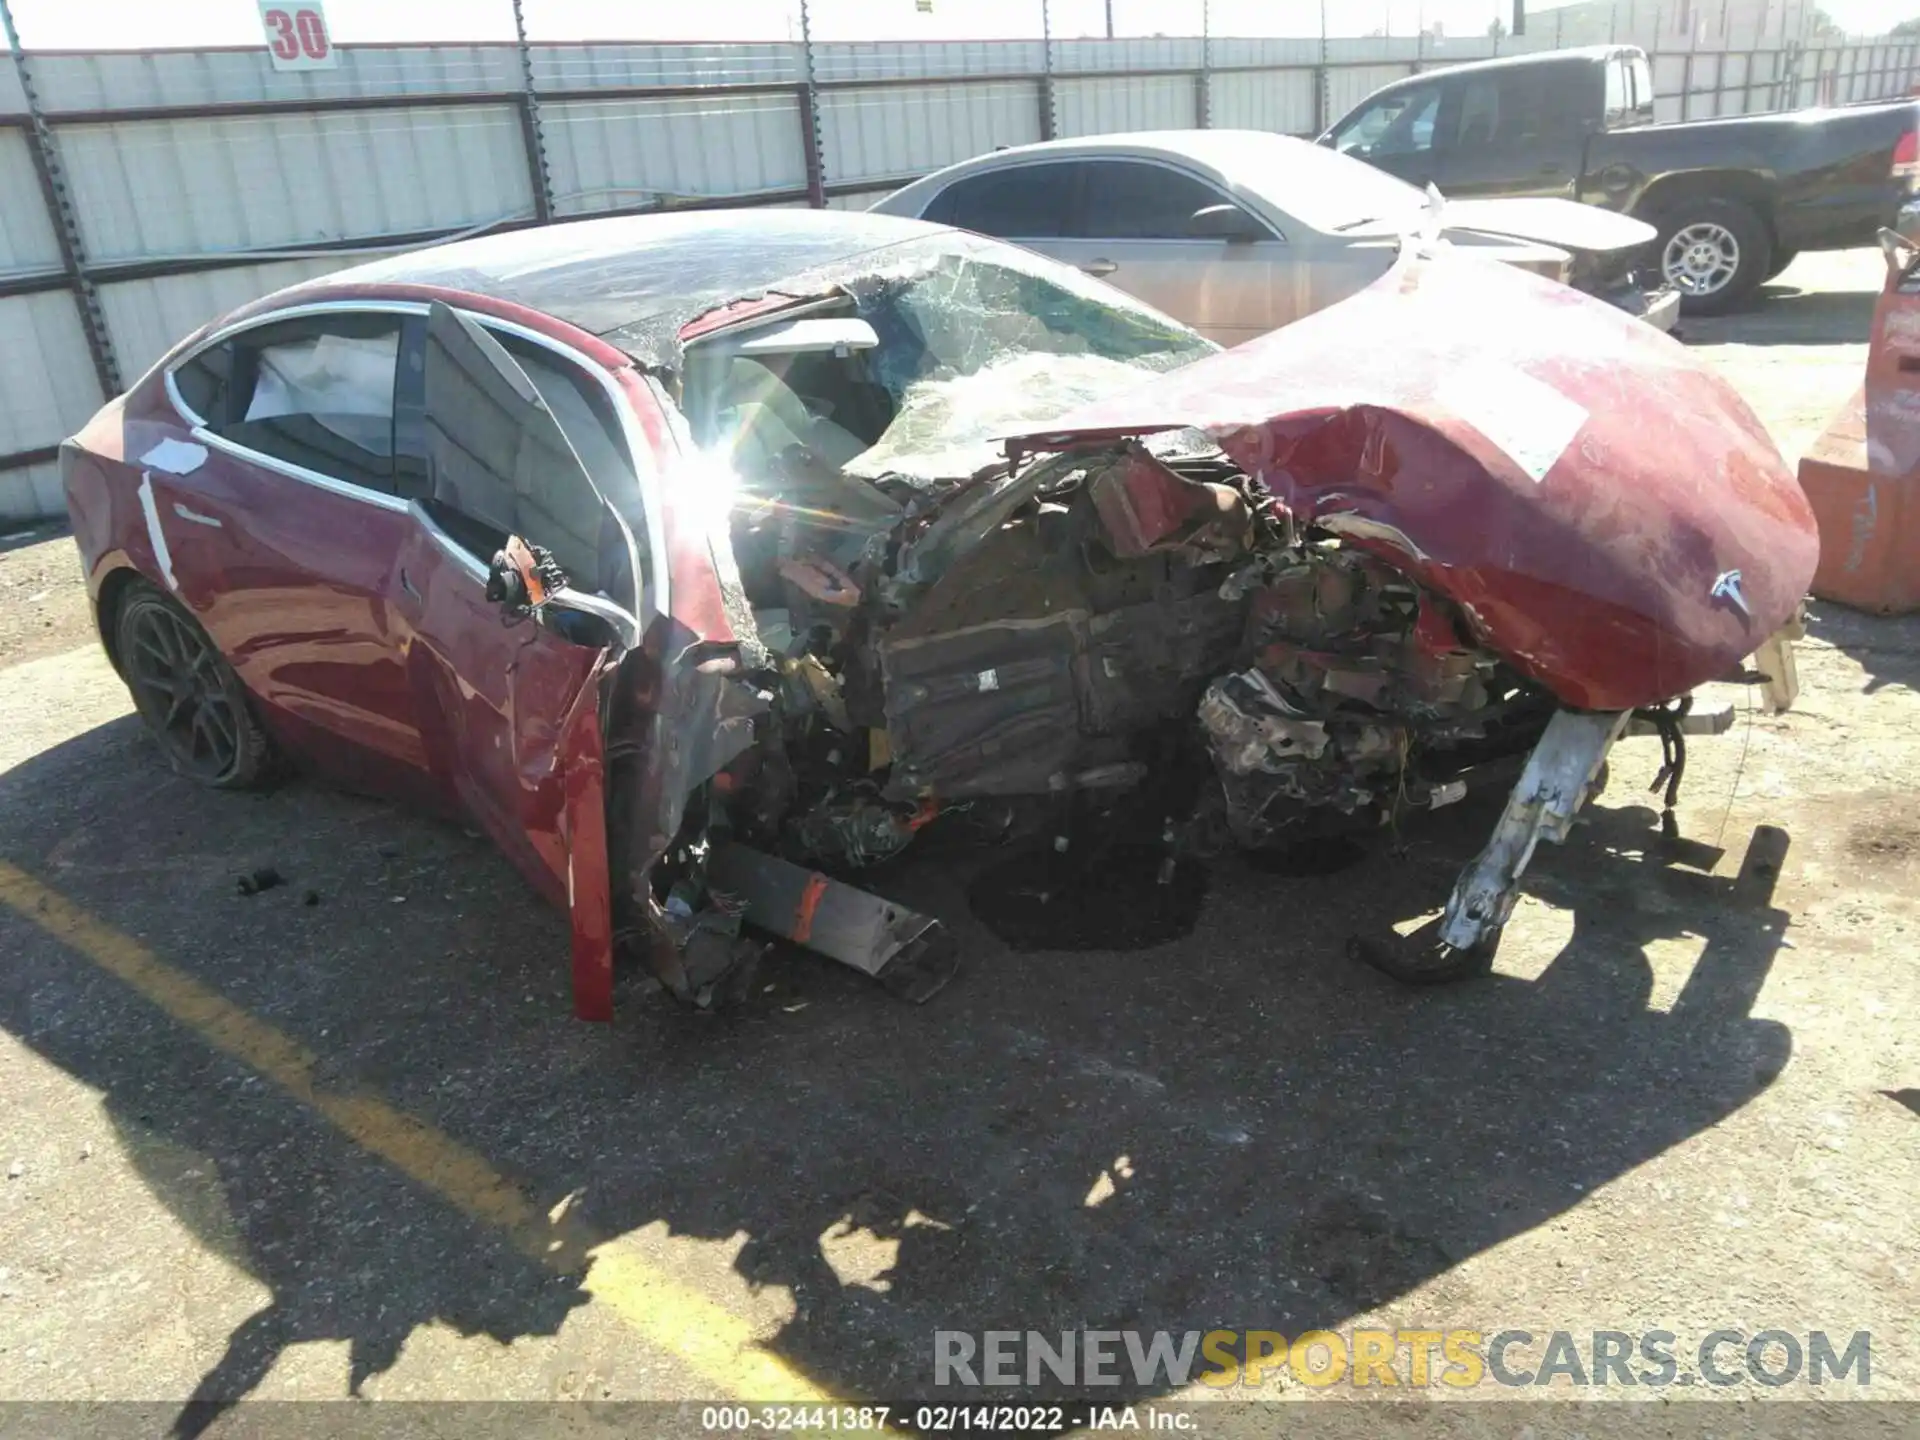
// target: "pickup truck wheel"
[[1781, 260], [1715, 252]]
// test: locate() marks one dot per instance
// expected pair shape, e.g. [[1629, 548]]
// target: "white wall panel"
[[1279, 100], [1734, 72], [27, 240], [135, 78], [49, 388], [885, 132], [32, 493], [729, 145], [1154, 53], [1399, 50], [909, 59], [145, 317], [590, 66], [190, 187], [1103, 106], [1251, 50]]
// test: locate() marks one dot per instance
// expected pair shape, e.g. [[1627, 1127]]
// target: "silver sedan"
[[1238, 232]]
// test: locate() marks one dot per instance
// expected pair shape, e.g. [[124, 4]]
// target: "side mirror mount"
[[1225, 222], [522, 577], [524, 582]]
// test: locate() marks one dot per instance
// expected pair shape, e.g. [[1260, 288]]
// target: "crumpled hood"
[[1609, 514], [1585, 229]]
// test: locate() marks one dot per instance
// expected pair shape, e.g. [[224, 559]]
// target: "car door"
[[283, 538], [1516, 132], [510, 703], [1134, 227], [1394, 132]]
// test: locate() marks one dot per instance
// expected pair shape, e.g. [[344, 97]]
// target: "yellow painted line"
[[715, 1343]]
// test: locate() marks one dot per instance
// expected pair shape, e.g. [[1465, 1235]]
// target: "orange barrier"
[[1862, 477]]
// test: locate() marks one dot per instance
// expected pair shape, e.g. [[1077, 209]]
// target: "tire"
[[1781, 260], [187, 694], [1715, 251]]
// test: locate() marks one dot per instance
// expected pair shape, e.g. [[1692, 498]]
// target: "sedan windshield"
[[1318, 187]]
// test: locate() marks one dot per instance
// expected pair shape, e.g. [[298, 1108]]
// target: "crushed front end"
[[1312, 585]]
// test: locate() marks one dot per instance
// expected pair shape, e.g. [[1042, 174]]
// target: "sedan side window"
[[1027, 202], [316, 392], [1131, 200]]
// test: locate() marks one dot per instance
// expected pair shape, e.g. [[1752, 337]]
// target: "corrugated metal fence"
[[142, 193]]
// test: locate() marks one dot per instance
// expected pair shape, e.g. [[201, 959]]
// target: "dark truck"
[[1734, 200]]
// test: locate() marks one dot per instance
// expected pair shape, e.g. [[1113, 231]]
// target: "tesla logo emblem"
[[1727, 587]]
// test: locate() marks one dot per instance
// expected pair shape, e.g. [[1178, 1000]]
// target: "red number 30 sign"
[[297, 36]]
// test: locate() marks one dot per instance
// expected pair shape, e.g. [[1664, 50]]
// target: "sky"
[[153, 24]]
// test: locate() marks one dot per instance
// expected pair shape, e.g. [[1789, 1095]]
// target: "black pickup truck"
[[1734, 200]]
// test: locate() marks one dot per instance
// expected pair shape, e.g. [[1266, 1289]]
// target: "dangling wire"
[[1739, 770], [1666, 721]]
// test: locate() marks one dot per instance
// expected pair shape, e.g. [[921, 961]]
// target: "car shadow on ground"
[[18, 534], [1882, 645], [1786, 315], [1241, 1129]]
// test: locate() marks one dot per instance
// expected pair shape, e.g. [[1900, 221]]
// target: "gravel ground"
[[43, 595], [1686, 1099]]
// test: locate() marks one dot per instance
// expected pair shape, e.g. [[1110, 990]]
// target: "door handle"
[[406, 584], [1100, 267]]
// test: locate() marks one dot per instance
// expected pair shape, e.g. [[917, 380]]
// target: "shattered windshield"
[[975, 341], [974, 349]]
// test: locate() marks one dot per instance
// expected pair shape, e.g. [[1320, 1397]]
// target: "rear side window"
[[1476, 114], [202, 381], [1548, 102], [1129, 200], [1028, 202], [1521, 107], [316, 392]]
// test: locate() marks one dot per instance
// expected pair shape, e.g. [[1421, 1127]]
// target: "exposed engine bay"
[[1102, 642]]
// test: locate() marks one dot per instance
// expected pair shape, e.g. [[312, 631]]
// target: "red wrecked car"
[[704, 560]]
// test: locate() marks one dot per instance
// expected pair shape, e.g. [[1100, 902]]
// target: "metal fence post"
[[1205, 96], [810, 115], [532, 135], [1322, 100], [1049, 119], [66, 224]]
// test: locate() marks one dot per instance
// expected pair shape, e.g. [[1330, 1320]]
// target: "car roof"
[[635, 279], [1575, 55], [1211, 148]]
